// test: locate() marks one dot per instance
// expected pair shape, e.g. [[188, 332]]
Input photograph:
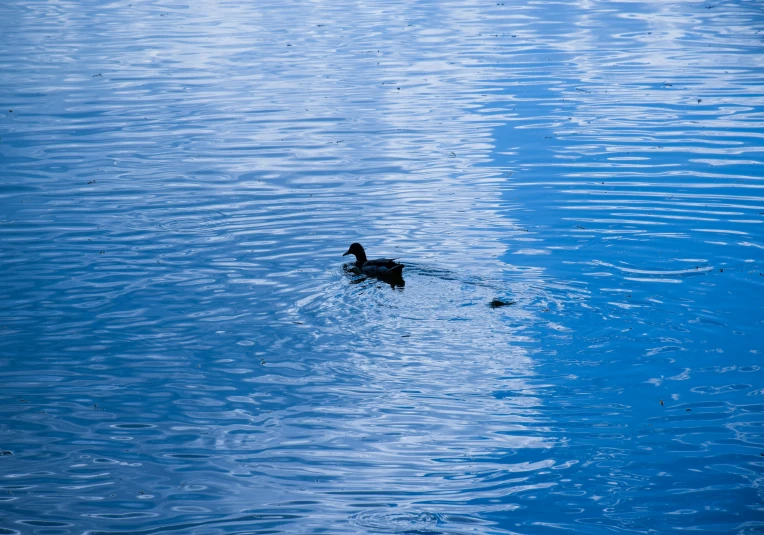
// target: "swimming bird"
[[379, 267]]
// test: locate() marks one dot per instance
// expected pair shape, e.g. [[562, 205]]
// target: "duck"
[[379, 267]]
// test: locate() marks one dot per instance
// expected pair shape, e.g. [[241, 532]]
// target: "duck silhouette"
[[386, 269]]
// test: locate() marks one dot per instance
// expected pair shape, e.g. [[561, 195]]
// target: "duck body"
[[381, 267], [378, 267]]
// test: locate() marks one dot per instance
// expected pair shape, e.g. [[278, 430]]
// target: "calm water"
[[182, 352]]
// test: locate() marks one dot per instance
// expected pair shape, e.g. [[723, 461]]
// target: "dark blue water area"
[[575, 190]]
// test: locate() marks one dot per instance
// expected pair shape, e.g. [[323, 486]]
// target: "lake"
[[182, 350]]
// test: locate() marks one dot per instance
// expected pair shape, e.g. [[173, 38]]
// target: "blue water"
[[181, 350]]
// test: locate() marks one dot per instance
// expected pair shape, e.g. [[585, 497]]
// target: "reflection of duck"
[[379, 267]]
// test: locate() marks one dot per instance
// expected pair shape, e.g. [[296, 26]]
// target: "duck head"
[[357, 250]]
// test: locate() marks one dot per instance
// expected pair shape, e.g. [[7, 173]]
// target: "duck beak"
[[347, 253]]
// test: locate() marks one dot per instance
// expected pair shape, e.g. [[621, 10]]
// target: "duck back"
[[381, 267]]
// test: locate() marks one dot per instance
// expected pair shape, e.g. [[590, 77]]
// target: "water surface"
[[181, 350]]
